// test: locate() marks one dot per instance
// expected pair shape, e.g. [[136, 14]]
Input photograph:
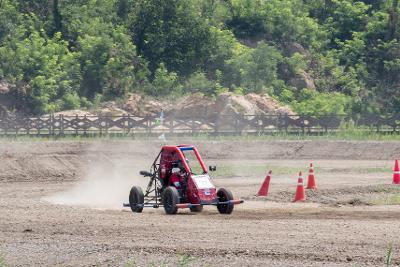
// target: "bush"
[[198, 82], [164, 83], [314, 103], [255, 69], [43, 66], [71, 101]]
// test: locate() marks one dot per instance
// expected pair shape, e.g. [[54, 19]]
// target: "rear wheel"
[[225, 195], [170, 199], [196, 208], [136, 199]]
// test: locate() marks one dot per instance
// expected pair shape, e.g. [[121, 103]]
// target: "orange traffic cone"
[[311, 179], [300, 195], [263, 192], [396, 173]]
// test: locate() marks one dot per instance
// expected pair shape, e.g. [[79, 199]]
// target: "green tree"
[[171, 32], [281, 21], [255, 69], [165, 83], [109, 63], [343, 17], [198, 82], [77, 17], [40, 70], [9, 18], [319, 104]]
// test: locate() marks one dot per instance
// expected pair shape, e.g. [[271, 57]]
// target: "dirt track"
[[336, 227]]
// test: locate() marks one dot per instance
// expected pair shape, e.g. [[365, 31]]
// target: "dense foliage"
[[319, 56]]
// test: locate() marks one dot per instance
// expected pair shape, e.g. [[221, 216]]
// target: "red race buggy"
[[175, 183]]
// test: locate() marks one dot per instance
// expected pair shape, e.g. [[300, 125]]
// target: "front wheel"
[[170, 199], [136, 199], [225, 195]]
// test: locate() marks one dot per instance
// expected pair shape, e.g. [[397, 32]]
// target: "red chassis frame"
[[197, 190]]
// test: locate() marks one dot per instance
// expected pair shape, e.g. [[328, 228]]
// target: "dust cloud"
[[107, 177]]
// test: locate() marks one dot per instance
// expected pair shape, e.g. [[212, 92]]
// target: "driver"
[[177, 174], [176, 178]]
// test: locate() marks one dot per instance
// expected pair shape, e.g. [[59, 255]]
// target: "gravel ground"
[[60, 204]]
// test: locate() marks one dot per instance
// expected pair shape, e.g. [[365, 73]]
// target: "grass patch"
[[389, 199], [389, 255], [130, 263], [360, 170], [372, 170], [385, 195], [185, 260], [251, 169], [228, 170], [387, 188], [2, 262], [393, 200]]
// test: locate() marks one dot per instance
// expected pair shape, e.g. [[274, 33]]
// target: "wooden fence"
[[215, 124]]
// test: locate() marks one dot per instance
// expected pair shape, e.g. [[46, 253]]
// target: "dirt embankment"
[[63, 160]]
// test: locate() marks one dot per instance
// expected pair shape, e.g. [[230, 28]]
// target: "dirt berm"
[[63, 160]]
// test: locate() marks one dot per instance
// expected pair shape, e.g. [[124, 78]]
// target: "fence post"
[[28, 127], [129, 125], [61, 117], [285, 121], [236, 124], [107, 124], [7, 125], [51, 128], [84, 126], [76, 124], [193, 125], [123, 124], [16, 129], [38, 128]]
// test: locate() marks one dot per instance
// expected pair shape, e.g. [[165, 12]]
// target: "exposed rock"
[[268, 105], [292, 48], [302, 80], [229, 104], [141, 105], [111, 109], [69, 113], [191, 106], [4, 87]]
